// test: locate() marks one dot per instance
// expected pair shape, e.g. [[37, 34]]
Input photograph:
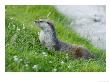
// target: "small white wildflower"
[[54, 70], [66, 54], [66, 57], [43, 53], [20, 59], [62, 62], [13, 25], [16, 59], [50, 61], [69, 66], [23, 27], [35, 67], [26, 65], [18, 29], [7, 45], [15, 56], [11, 18]]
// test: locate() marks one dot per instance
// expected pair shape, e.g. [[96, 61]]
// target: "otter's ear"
[[49, 23]]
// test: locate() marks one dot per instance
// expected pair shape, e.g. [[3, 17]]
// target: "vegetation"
[[25, 53]]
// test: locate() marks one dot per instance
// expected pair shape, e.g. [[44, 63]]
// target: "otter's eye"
[[40, 21], [50, 24]]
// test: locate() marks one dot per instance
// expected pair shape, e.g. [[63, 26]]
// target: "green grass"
[[23, 51]]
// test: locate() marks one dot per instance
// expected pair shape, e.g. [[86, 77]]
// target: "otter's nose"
[[36, 21]]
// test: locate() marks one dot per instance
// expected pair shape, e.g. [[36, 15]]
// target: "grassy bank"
[[25, 53]]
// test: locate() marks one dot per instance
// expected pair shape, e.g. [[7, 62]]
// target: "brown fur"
[[48, 38]]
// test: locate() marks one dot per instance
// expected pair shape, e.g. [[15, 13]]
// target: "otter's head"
[[44, 24]]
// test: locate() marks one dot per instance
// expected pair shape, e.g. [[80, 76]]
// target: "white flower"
[[54, 70], [69, 66], [50, 61], [16, 59], [7, 45], [11, 18], [66, 57], [66, 54], [18, 29], [35, 67], [43, 53], [26, 65], [20, 59], [13, 25], [62, 62], [15, 56], [23, 27]]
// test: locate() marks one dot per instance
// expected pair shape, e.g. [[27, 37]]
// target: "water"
[[88, 21]]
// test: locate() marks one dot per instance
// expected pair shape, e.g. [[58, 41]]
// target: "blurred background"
[[89, 21]]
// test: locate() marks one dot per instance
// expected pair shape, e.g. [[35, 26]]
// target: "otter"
[[49, 39]]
